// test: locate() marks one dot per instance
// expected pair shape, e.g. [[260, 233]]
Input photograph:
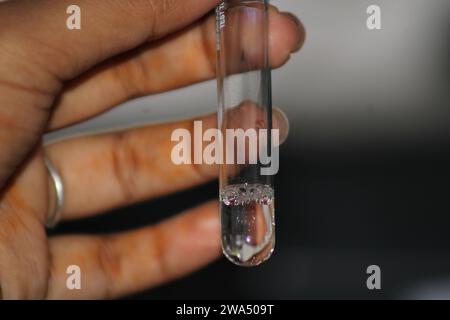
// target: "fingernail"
[[282, 123], [300, 27]]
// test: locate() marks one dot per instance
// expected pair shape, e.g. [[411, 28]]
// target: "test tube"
[[246, 192]]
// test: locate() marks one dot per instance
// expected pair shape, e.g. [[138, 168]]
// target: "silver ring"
[[55, 211]]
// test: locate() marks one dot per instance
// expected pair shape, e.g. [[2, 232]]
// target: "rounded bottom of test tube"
[[248, 226], [254, 261]]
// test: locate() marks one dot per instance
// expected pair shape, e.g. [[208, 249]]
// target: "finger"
[[116, 265], [39, 53], [185, 58], [23, 243], [106, 171], [108, 28]]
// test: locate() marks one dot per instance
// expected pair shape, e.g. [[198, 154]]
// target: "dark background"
[[365, 175], [336, 214]]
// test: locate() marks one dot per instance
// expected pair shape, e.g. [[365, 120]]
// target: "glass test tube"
[[244, 94]]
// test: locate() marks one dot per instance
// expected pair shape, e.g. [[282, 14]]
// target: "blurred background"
[[365, 175]]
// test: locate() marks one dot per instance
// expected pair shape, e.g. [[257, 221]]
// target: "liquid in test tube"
[[247, 198]]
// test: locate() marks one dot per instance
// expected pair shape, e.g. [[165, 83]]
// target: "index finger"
[[108, 28]]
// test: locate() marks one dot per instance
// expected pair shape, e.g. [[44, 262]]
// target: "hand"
[[51, 77]]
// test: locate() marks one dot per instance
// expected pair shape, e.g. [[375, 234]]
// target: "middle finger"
[[106, 171]]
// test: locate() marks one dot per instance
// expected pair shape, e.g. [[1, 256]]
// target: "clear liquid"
[[248, 223]]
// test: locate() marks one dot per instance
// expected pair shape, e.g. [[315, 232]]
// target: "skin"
[[50, 78]]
